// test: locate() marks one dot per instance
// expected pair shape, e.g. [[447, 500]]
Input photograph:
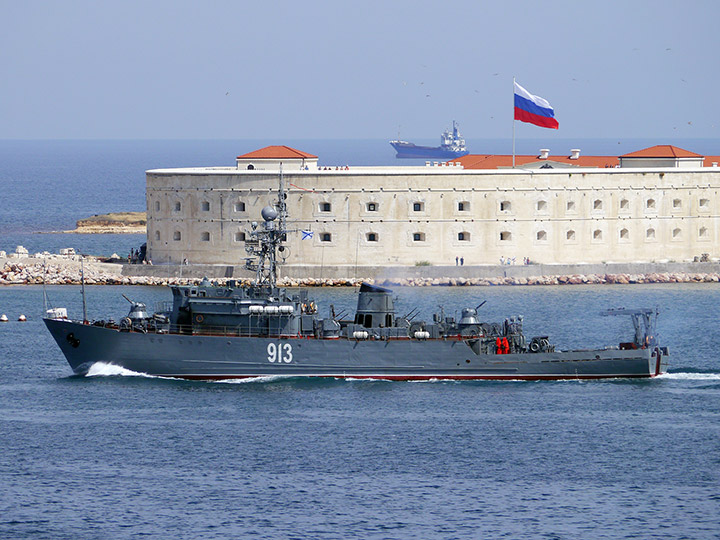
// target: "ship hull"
[[231, 357], [410, 150]]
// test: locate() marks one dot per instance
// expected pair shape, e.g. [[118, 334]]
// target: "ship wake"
[[102, 369], [690, 376], [259, 379]]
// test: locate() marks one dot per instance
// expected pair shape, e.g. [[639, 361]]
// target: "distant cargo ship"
[[452, 145]]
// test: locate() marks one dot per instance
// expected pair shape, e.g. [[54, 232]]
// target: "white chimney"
[[575, 153], [544, 153]]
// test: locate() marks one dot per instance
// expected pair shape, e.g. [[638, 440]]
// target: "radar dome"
[[269, 213]]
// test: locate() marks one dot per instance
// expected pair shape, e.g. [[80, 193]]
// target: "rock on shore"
[[66, 271], [113, 223], [57, 272]]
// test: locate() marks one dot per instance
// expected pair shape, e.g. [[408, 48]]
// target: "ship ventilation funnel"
[[575, 153], [544, 153], [375, 307]]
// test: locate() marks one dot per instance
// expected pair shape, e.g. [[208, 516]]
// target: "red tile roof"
[[662, 151], [475, 161], [277, 152], [490, 161]]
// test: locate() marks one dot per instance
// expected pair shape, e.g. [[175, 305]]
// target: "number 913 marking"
[[280, 352]]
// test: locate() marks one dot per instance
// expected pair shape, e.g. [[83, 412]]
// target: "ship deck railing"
[[164, 328], [235, 331]]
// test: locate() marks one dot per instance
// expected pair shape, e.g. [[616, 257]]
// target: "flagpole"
[[513, 117]]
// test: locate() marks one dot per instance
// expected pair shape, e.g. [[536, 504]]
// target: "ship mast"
[[267, 240]]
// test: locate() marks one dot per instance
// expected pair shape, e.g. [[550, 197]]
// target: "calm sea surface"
[[119, 455], [122, 455]]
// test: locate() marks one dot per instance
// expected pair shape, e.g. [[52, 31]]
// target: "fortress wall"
[[405, 215]]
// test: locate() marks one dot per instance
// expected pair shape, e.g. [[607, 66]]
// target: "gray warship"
[[233, 331]]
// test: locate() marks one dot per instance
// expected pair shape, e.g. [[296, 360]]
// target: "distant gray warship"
[[452, 146], [214, 331]]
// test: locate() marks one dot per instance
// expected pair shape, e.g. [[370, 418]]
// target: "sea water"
[[118, 454], [122, 455]]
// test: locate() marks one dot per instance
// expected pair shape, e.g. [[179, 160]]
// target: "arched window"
[[205, 236], [570, 206], [205, 206], [239, 206], [624, 234], [157, 235], [570, 235], [703, 232], [650, 204], [650, 234], [624, 204], [597, 234], [597, 204], [418, 237], [505, 206], [371, 237], [505, 236], [325, 207], [178, 206], [239, 236], [463, 206], [463, 236], [541, 236], [371, 207], [418, 206], [704, 203], [177, 236], [157, 206], [677, 233], [677, 203], [541, 206], [326, 237]]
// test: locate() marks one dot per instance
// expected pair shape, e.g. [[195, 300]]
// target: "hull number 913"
[[280, 352]]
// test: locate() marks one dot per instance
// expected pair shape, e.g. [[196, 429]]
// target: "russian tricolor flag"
[[533, 109]]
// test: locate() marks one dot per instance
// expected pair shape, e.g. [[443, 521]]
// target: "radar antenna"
[[267, 239]]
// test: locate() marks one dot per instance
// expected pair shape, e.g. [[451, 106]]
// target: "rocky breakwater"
[[21, 269], [575, 279]]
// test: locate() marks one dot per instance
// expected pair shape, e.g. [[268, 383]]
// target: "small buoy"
[[3, 318], [22, 318]]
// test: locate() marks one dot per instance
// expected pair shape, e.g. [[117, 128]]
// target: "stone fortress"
[[655, 205]]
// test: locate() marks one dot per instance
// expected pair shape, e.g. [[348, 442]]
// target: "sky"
[[366, 69]]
